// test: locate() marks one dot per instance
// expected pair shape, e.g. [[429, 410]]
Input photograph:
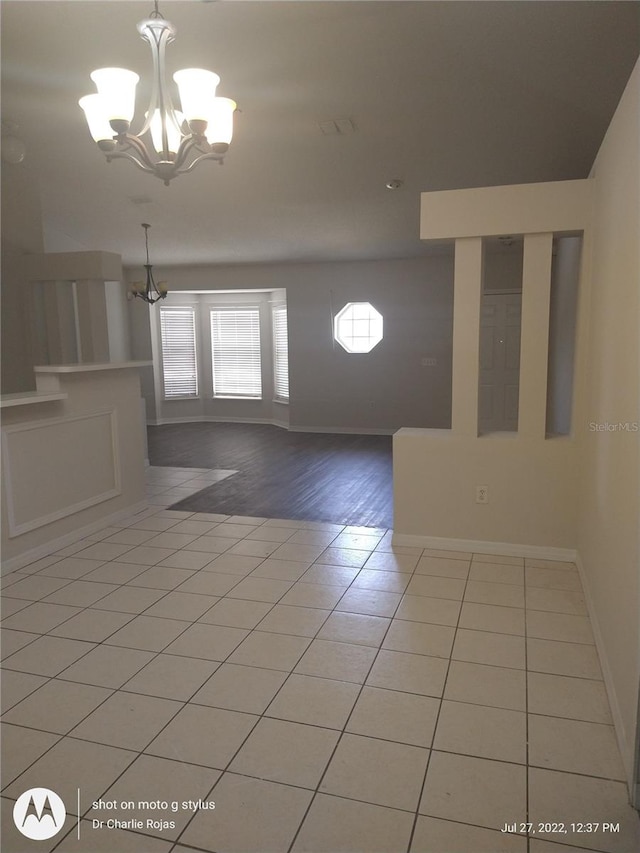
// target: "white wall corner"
[[625, 739]]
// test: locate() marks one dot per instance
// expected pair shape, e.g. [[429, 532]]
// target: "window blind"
[[235, 352], [179, 363], [280, 353]]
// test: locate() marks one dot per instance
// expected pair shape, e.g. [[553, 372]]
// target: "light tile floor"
[[166, 485], [327, 690]]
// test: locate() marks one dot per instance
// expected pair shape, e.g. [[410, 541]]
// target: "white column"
[[466, 335], [92, 320], [534, 343]]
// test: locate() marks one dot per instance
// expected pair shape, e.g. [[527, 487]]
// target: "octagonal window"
[[358, 327]]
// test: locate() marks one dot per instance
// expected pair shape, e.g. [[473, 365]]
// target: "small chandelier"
[[179, 140], [149, 290]]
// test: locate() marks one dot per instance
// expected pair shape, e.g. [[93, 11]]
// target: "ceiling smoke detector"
[[394, 184]]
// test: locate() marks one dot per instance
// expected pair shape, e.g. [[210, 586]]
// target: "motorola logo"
[[39, 813]]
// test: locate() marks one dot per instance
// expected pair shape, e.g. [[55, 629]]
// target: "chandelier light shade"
[[149, 290], [170, 142]]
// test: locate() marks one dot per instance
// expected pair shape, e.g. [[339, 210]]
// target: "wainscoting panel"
[[53, 468]]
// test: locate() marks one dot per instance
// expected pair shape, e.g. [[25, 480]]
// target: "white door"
[[499, 362]]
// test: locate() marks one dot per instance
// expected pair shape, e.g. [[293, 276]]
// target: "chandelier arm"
[[186, 146], [149, 299], [152, 287], [124, 155], [128, 140], [209, 156]]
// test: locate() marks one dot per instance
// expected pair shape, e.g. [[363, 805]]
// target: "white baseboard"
[[343, 430], [204, 419], [479, 546], [53, 545], [626, 748], [273, 422]]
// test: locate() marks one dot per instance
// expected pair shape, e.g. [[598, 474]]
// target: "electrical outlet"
[[482, 494]]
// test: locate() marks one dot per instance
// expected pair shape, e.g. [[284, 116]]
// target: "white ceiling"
[[442, 95]]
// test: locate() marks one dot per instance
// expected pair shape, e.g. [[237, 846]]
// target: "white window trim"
[[343, 340]]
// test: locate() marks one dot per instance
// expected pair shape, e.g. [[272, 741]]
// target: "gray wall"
[[331, 389]]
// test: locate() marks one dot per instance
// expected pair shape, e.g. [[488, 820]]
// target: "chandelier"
[[179, 140], [149, 290]]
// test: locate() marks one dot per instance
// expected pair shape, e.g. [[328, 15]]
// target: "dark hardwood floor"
[[344, 479]]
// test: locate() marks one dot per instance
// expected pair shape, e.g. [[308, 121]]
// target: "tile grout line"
[[156, 735], [197, 621], [145, 567], [343, 730], [133, 616], [289, 674], [437, 720], [113, 690], [261, 716]]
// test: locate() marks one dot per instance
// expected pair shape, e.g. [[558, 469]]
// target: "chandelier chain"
[[146, 227]]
